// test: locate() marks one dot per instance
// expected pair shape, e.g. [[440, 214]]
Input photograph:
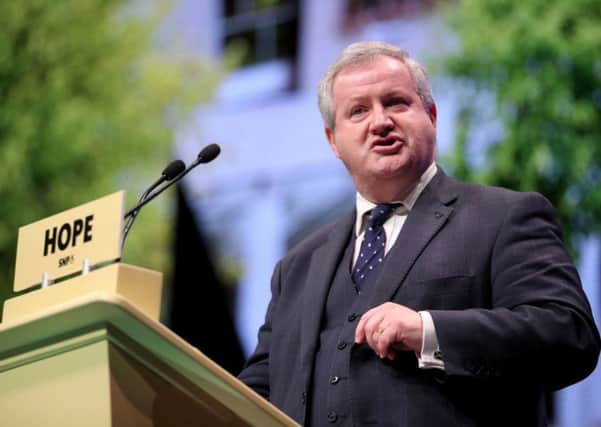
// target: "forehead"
[[372, 74]]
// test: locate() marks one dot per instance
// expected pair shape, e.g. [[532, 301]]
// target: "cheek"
[[424, 144], [423, 134], [348, 137]]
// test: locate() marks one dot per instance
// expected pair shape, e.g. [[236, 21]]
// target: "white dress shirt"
[[392, 227]]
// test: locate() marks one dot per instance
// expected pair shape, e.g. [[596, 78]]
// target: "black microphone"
[[171, 171], [206, 155]]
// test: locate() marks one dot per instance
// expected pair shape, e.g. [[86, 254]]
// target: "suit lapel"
[[323, 265], [428, 216]]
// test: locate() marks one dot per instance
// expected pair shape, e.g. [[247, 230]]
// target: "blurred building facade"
[[277, 179]]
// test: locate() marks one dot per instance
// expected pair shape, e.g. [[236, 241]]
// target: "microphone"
[[171, 171], [207, 154]]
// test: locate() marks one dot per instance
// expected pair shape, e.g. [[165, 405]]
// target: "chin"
[[394, 169]]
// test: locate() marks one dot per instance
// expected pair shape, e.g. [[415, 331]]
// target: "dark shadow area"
[[199, 310]]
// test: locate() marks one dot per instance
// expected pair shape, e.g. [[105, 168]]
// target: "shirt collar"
[[363, 205]]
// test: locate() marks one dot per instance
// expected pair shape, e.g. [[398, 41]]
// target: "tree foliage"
[[86, 108], [541, 61]]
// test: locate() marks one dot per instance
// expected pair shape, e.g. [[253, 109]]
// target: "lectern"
[[90, 351]]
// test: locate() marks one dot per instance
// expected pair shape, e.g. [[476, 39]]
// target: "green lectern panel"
[[98, 361]]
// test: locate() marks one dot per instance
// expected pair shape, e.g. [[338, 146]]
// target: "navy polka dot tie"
[[371, 253]]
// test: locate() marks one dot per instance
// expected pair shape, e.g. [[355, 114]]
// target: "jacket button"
[[341, 345], [304, 398], [438, 355], [351, 317], [334, 379], [332, 417]]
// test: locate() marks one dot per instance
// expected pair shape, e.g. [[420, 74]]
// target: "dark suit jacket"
[[509, 312]]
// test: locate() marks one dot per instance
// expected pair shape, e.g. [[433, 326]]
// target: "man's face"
[[383, 132]]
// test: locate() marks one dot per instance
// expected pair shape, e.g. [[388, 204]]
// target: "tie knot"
[[380, 213]]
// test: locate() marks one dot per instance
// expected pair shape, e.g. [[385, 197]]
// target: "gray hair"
[[358, 54]]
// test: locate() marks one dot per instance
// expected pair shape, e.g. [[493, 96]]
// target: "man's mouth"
[[387, 144], [386, 141]]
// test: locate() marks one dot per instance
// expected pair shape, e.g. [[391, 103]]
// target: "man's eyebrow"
[[395, 92], [356, 98], [400, 91]]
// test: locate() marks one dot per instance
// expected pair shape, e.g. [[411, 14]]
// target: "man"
[[435, 303]]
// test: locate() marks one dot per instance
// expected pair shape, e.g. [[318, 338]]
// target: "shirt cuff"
[[430, 357]]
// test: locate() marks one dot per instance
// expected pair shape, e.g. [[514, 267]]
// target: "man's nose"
[[381, 122]]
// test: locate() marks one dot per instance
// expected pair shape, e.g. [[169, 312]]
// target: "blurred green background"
[[541, 62], [88, 105]]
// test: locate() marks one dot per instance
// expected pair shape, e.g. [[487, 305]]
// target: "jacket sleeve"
[[539, 327]]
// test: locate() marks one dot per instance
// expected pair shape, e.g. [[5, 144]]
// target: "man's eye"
[[357, 110], [398, 101]]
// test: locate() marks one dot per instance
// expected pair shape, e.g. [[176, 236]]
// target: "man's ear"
[[432, 114], [331, 141]]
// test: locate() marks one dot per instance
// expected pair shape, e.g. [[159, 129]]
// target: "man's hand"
[[390, 327]]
